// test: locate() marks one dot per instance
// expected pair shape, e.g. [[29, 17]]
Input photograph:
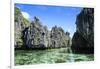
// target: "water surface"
[[49, 56]]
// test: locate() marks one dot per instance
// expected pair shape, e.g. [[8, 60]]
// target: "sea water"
[[49, 56]]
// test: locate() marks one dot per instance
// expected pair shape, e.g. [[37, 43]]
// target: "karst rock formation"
[[83, 39], [33, 35]]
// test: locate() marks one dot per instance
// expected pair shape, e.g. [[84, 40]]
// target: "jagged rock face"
[[83, 39], [19, 26], [58, 38], [35, 36]]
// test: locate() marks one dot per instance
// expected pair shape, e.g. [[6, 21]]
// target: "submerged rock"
[[83, 39]]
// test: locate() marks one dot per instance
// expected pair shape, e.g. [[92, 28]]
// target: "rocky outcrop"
[[20, 23], [58, 38], [33, 35], [83, 39], [36, 35]]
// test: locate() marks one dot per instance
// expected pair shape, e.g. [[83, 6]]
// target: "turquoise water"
[[49, 56]]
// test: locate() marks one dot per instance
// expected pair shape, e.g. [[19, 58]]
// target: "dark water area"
[[49, 56]]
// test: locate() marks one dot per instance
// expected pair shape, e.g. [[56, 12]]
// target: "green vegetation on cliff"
[[35, 35]]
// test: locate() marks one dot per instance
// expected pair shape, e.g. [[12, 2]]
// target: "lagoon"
[[49, 56]]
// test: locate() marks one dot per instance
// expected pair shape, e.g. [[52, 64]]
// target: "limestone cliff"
[[34, 35], [59, 38], [83, 39], [38, 36], [20, 23]]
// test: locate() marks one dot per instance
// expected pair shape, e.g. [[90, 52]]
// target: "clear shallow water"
[[49, 56]]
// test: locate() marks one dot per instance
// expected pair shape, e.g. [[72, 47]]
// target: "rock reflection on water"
[[49, 56]]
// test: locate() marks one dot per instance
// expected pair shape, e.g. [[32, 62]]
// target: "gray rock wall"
[[83, 39], [19, 26], [34, 35], [38, 36], [59, 38]]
